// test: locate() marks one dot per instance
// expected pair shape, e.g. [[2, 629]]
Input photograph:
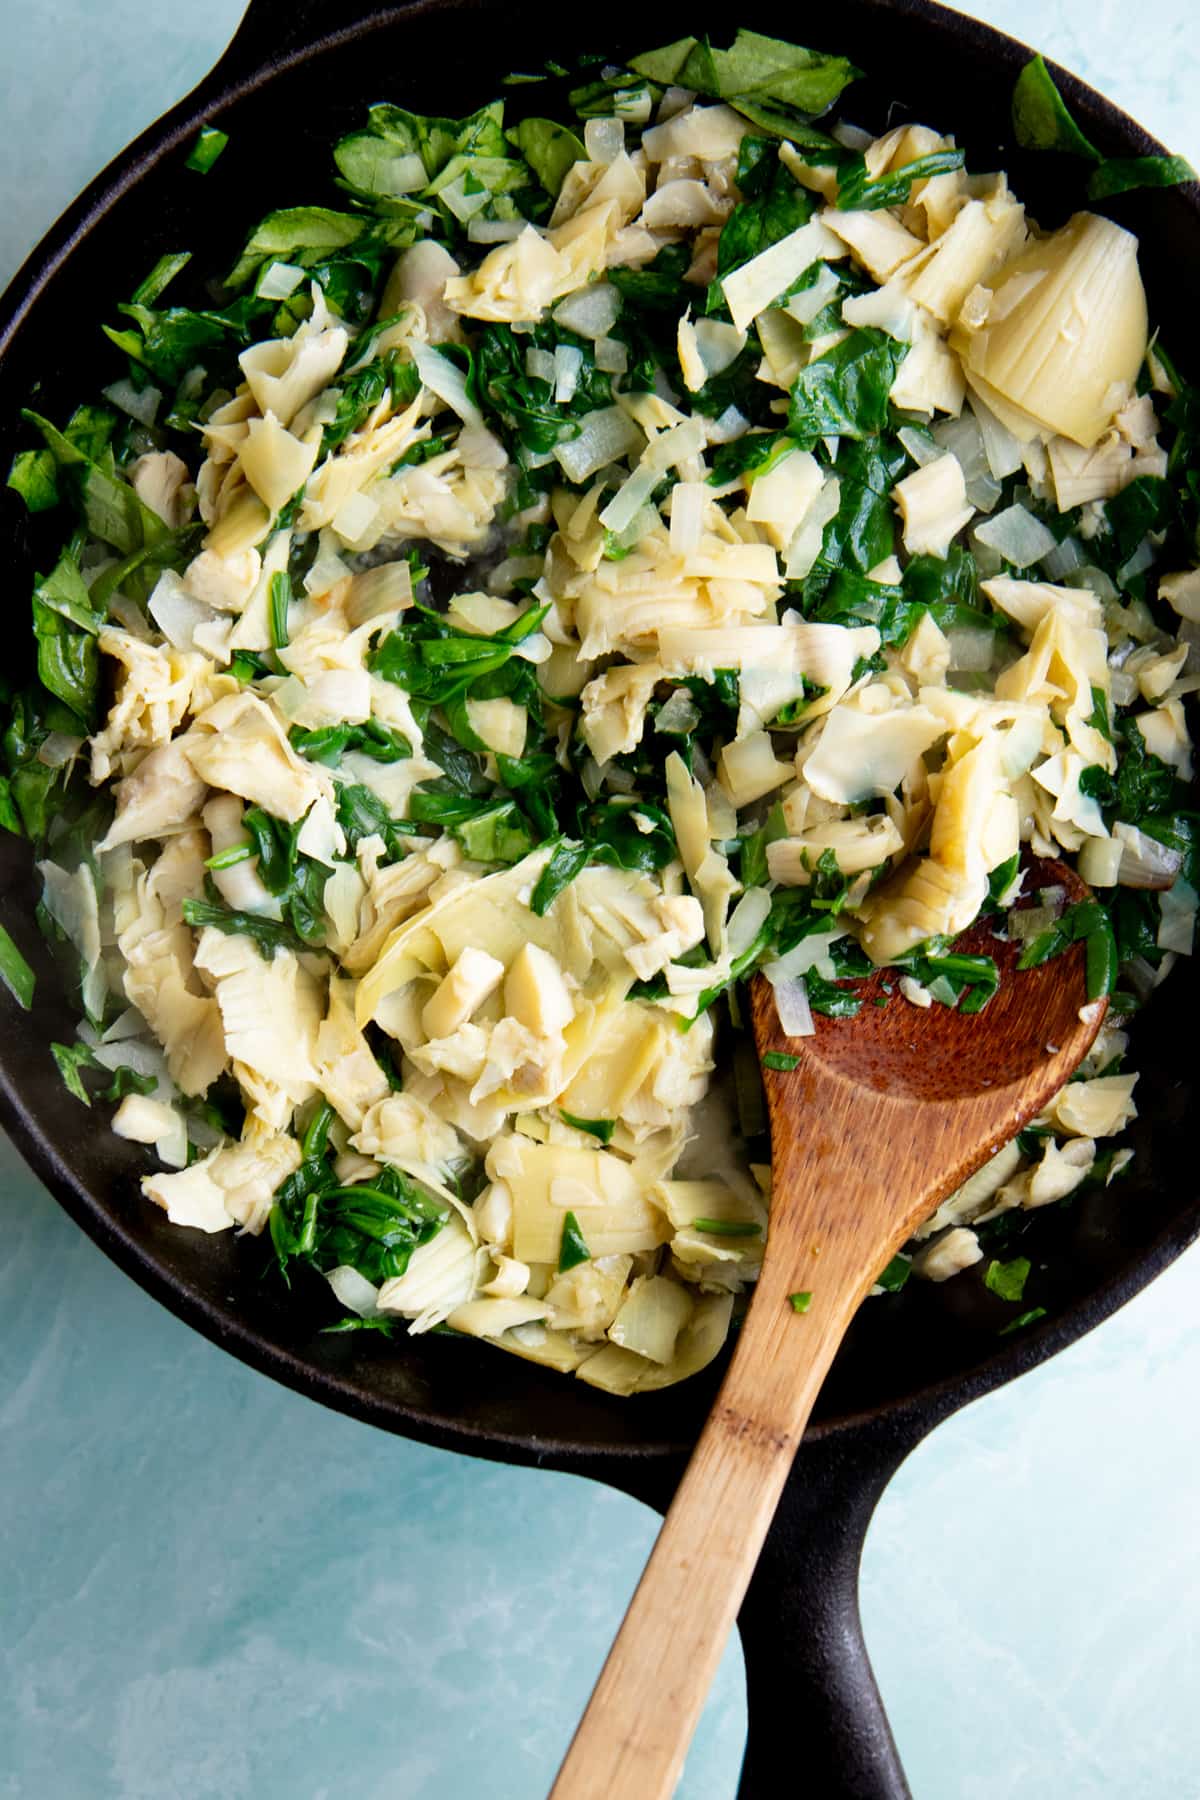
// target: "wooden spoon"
[[882, 1117]]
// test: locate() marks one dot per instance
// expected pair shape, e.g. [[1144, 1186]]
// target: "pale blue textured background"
[[211, 1588]]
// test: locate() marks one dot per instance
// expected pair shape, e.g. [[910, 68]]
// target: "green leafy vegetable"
[[800, 1302], [373, 1226], [549, 149], [280, 602], [775, 206], [597, 1128], [858, 192], [574, 1250], [844, 393], [896, 1274], [1042, 121], [208, 146], [15, 972], [1008, 1278], [267, 935], [1088, 923], [755, 69], [1022, 1320], [729, 1228], [71, 1059], [33, 476], [778, 1059]]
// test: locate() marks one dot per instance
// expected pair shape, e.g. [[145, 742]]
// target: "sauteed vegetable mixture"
[[633, 537]]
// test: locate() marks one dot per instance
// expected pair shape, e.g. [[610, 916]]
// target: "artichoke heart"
[[1064, 333]]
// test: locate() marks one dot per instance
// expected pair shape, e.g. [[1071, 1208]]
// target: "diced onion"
[[727, 426], [175, 612], [1020, 539], [612, 357], [402, 175], [279, 279], [568, 363], [1062, 559], [604, 139], [1025, 922], [356, 1293], [1177, 929], [1002, 449], [608, 433], [747, 919], [462, 204], [795, 1013], [919, 443], [643, 522], [447, 381], [590, 312], [964, 439], [540, 364], [494, 231], [852, 136], [140, 403], [58, 748], [677, 714], [630, 498], [1145, 863], [972, 648]]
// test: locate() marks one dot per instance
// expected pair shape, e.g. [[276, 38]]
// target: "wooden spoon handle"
[[631, 1742]]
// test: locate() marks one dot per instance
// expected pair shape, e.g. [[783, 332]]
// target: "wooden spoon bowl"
[[882, 1116]]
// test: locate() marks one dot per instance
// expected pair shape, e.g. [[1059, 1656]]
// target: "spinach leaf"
[[566, 862], [845, 392], [373, 1226], [302, 234], [965, 982], [170, 342], [1040, 116], [361, 813], [597, 1128], [327, 744], [862, 533], [208, 146], [32, 474], [779, 206], [267, 935], [360, 392], [1088, 923], [297, 881], [753, 68], [1042, 121], [859, 193], [1143, 786], [655, 286], [495, 834], [15, 972], [549, 149], [1008, 1278], [573, 1249], [753, 454], [523, 405], [1121, 174], [68, 663]]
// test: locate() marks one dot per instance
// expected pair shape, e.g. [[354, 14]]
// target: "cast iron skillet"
[[297, 74]]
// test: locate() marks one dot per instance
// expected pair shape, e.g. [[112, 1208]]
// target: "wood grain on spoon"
[[883, 1117]]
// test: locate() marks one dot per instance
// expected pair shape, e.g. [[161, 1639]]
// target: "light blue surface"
[[210, 1587]]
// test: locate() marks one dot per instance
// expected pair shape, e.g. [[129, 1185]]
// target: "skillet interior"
[[923, 63]]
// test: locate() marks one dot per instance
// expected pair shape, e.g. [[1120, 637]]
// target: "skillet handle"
[[814, 1707]]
